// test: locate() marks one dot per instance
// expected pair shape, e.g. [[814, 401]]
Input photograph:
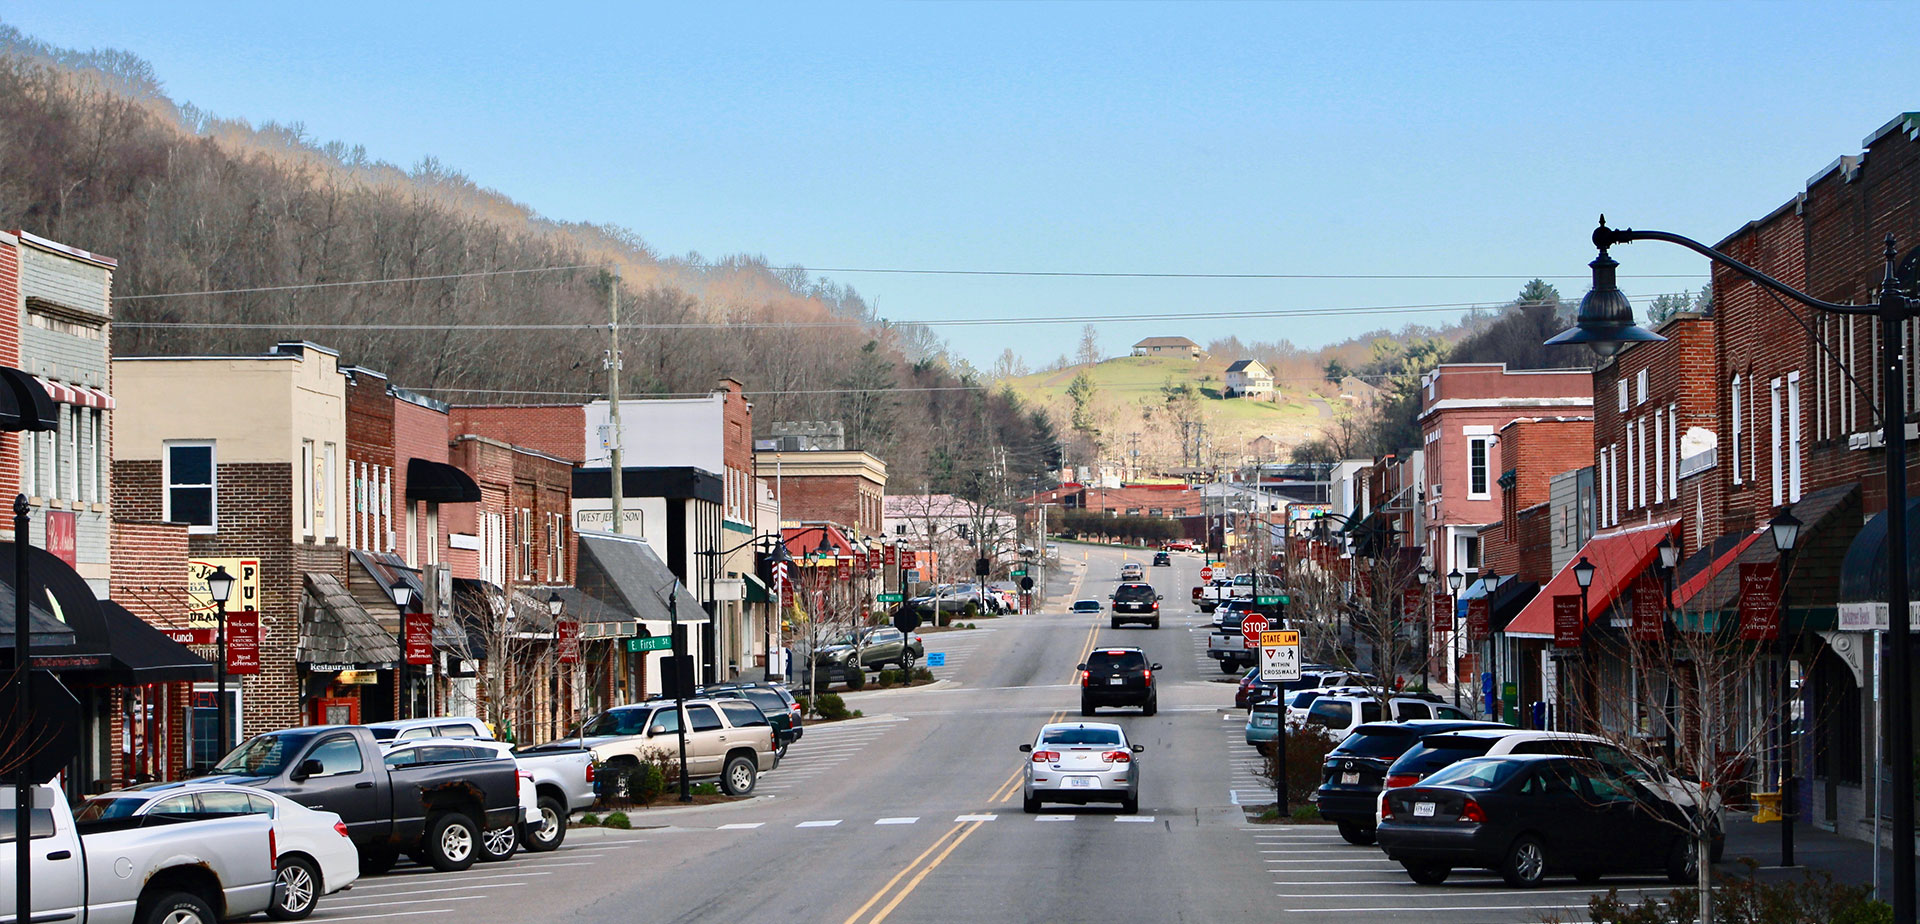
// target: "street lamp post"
[[1488, 582], [402, 595], [554, 606], [1582, 575], [1454, 581], [1669, 563], [220, 588], [1426, 632], [1786, 533], [1605, 322]]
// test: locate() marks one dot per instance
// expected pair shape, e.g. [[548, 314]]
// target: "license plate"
[[1115, 681], [1423, 810], [1080, 782], [1353, 779]]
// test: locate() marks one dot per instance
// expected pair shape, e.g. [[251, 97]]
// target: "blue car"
[[1263, 723]]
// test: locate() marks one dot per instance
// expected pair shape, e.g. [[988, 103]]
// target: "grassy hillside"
[[1132, 412]]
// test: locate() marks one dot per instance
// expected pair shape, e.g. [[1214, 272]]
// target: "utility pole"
[[618, 473]]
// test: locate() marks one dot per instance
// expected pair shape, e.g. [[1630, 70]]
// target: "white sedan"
[[316, 855]]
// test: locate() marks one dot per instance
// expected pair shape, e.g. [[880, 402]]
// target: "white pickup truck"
[[139, 870], [1210, 595]]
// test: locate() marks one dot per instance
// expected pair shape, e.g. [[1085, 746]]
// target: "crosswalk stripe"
[[742, 826], [963, 818], [898, 821], [818, 824]]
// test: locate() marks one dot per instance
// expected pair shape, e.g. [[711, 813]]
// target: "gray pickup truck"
[[435, 811], [138, 870]]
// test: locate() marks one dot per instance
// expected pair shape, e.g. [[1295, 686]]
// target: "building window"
[[306, 488], [1659, 459], [899, 529], [190, 497], [1633, 431], [1469, 553], [1775, 442], [1640, 386], [556, 547], [1623, 394], [1793, 437], [523, 540], [1477, 467], [330, 493], [1739, 432], [1673, 450]]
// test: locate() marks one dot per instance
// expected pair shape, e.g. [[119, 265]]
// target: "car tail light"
[[1085, 677], [1397, 780], [1045, 757], [1386, 807], [340, 828], [1149, 675], [1156, 605], [589, 771], [1471, 812], [1196, 593], [273, 849], [1117, 757]]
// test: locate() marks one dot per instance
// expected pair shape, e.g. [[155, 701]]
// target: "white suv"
[[1339, 714]]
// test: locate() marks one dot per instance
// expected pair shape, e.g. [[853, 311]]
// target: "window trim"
[[1485, 442], [1739, 431], [167, 484]]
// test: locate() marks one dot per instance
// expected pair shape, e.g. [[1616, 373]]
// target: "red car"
[[1180, 546]]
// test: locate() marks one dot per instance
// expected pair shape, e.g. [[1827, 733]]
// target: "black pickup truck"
[[433, 811]]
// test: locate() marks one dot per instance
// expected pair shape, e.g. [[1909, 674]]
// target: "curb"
[[639, 814]]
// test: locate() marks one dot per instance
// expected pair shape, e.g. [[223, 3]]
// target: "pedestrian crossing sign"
[[1280, 656]]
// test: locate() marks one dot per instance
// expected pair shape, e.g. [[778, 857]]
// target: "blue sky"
[[1212, 138]]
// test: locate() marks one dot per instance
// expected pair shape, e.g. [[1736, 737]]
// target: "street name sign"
[[1251, 628], [651, 643], [1279, 656], [891, 598], [1270, 600]]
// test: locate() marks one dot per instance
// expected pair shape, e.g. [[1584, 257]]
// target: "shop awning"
[[1617, 558], [336, 633], [139, 653], [756, 591], [1863, 573], [1699, 572], [64, 615], [24, 404], [1713, 585], [439, 483], [621, 581]]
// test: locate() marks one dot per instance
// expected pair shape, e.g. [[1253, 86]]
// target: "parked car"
[[315, 855], [1339, 714], [436, 810], [872, 649], [1162, 560], [1355, 772], [729, 741], [1118, 677], [1531, 816], [1135, 603], [140, 870], [1131, 571], [1086, 608], [442, 727], [556, 780], [1082, 762], [1438, 751], [779, 706], [1178, 545]]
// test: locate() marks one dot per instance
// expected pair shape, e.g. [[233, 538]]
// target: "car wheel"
[[180, 908], [1086, 708], [1427, 873], [739, 777], [1525, 864], [1226, 667], [1155, 624], [376, 861], [1682, 862], [1031, 805], [498, 844], [1152, 706], [1130, 805], [296, 886], [552, 828], [1113, 623], [452, 841], [781, 754], [1357, 835]]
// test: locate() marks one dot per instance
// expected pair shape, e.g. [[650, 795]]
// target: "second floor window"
[[189, 496], [1477, 467]]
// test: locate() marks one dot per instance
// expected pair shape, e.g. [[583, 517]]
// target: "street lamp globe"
[[1605, 320], [1489, 581], [220, 585], [1583, 573], [555, 604], [1669, 553], [1786, 530], [1423, 575], [1455, 579], [402, 595]]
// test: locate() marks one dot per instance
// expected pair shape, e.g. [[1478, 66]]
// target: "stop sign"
[[1206, 574], [1251, 628]]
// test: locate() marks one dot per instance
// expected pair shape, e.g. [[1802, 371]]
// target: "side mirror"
[[1080, 667], [1139, 748], [1026, 749], [1160, 597], [1156, 667], [656, 730], [309, 767]]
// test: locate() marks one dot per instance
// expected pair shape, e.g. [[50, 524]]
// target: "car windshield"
[[1479, 773], [1134, 592], [1440, 751], [1377, 741], [1116, 660], [1303, 699], [266, 755], [1086, 605], [384, 734], [1081, 737], [619, 722], [101, 808]]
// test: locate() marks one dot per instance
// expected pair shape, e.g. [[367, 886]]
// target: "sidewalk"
[[1850, 861]]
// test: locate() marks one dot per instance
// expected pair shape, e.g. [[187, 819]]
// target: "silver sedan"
[[1082, 762]]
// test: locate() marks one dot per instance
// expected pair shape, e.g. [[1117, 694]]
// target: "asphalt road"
[[912, 814]]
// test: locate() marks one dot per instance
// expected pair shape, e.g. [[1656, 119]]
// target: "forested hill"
[[273, 224]]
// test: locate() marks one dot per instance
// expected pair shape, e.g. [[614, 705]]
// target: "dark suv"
[[1356, 771], [1135, 603], [1118, 677], [783, 711]]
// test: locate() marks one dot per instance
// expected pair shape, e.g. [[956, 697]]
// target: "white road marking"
[[396, 914], [898, 821], [441, 879], [741, 826], [1055, 817], [1139, 818], [818, 824], [960, 818], [1426, 891], [384, 902], [351, 894], [1434, 908], [1367, 860], [1308, 851]]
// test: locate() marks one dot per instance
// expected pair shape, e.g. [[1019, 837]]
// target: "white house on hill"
[[1247, 378]]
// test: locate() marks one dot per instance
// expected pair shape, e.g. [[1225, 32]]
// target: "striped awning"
[[79, 395]]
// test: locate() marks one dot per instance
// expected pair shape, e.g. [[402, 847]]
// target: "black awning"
[[139, 653], [1863, 573], [25, 404], [439, 483], [64, 615]]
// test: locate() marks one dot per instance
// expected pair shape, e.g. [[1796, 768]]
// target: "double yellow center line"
[[877, 908]]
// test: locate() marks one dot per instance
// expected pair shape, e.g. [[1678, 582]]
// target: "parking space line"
[[898, 821], [818, 824], [741, 826], [382, 902], [958, 819], [1430, 909], [396, 914], [1055, 817], [351, 894], [442, 879], [1147, 819]]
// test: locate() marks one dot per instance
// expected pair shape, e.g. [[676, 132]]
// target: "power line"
[[363, 282], [984, 386]]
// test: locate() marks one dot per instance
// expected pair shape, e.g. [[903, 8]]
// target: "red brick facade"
[[10, 356], [1533, 450], [555, 429], [1649, 439], [419, 432], [149, 578], [527, 498]]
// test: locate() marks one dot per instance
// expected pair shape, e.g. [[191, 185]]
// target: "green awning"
[[756, 591]]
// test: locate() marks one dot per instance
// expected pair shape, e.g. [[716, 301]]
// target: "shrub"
[[1306, 754], [589, 819], [857, 714], [856, 677], [646, 781], [706, 789], [831, 706], [1306, 813], [1741, 899], [618, 820], [889, 677], [922, 675]]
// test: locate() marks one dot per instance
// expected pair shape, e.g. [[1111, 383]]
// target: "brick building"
[[843, 486]]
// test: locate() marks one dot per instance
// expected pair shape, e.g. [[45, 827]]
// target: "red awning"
[[1618, 557], [1699, 582]]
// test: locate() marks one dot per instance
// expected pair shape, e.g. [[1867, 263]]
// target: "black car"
[[1532, 815], [1162, 558], [1118, 677], [1356, 771], [782, 710], [1135, 603]]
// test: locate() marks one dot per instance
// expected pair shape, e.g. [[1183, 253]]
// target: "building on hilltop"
[[1248, 378], [1168, 346]]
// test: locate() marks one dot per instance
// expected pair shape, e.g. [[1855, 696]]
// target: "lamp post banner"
[[1649, 611], [567, 631], [417, 629], [1479, 620], [843, 568], [1410, 605], [1759, 601], [890, 554], [243, 642], [1568, 620]]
